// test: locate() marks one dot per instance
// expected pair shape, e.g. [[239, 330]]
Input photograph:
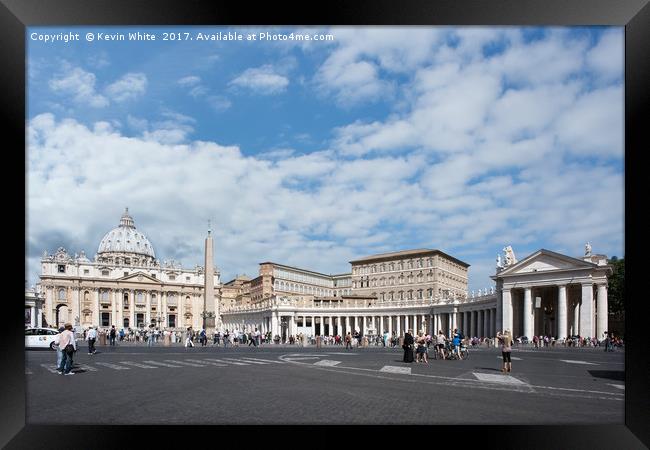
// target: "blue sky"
[[315, 153]]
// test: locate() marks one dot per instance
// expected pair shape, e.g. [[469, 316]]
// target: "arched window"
[[126, 301], [104, 296], [61, 294]]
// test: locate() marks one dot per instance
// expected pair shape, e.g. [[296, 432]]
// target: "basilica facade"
[[124, 285]]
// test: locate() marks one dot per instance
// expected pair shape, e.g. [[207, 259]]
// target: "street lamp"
[[207, 315]]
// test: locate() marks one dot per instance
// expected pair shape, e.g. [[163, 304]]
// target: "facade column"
[[601, 311], [115, 307], [322, 326], [576, 318], [479, 323], [587, 311], [506, 310], [292, 325], [274, 324], [313, 326], [528, 313], [472, 323], [561, 312], [398, 325], [97, 314], [390, 326]]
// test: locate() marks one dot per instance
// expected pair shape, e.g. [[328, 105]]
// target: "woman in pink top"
[[68, 346]]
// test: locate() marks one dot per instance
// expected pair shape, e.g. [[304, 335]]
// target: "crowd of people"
[[444, 345]]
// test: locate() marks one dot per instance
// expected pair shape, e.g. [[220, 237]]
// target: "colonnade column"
[[561, 312], [587, 311], [602, 312], [398, 325], [528, 313], [486, 323], [506, 321], [479, 323], [466, 322], [390, 325], [576, 317]]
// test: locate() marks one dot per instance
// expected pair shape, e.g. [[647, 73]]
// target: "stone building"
[[124, 285]]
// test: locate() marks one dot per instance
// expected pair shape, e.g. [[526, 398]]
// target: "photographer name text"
[[177, 36]]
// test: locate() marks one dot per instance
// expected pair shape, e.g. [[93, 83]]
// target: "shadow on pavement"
[[618, 375], [488, 368]]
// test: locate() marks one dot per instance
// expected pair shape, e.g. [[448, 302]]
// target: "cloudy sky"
[[314, 153]]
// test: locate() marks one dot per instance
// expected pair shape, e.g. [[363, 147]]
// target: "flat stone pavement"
[[283, 384]]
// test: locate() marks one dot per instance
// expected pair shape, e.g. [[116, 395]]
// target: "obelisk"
[[208, 291]]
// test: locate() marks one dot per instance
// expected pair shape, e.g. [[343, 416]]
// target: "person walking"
[[68, 344], [152, 338], [226, 338], [440, 344], [188, 339], [59, 350], [408, 346], [421, 355], [348, 341], [505, 341], [112, 335], [92, 337]]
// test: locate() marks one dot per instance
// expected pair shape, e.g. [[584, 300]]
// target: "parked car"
[[40, 337]]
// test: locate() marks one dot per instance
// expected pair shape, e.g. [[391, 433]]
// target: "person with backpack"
[[112, 335]]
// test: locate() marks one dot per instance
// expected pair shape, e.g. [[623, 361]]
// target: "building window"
[[106, 319], [172, 277], [103, 296], [153, 275], [171, 321], [139, 319], [62, 294], [126, 301], [61, 268], [105, 273], [126, 322], [86, 271], [126, 274]]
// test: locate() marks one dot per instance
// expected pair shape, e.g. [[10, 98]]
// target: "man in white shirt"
[[92, 336], [68, 345]]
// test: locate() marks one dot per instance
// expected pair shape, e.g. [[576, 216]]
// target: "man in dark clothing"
[[408, 346], [112, 335]]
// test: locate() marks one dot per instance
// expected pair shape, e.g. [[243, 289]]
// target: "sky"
[[312, 153]]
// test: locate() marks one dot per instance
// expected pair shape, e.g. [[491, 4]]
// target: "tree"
[[616, 290]]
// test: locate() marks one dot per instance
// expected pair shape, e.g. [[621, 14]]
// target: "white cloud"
[[262, 80], [129, 87], [79, 84], [606, 59], [190, 80]]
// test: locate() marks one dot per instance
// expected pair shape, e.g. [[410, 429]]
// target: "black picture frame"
[[16, 15]]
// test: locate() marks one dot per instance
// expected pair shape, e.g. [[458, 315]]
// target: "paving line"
[[396, 369], [245, 362], [303, 358], [184, 363], [158, 363], [199, 361], [50, 367], [327, 362], [501, 379], [227, 362], [571, 361], [265, 360], [514, 358], [137, 364], [112, 366]]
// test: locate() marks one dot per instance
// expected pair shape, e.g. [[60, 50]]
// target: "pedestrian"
[[92, 337], [408, 346], [456, 342], [59, 350], [152, 338], [203, 338], [112, 335], [188, 339], [505, 341], [440, 344], [256, 337], [421, 351], [226, 338], [348, 341], [68, 344]]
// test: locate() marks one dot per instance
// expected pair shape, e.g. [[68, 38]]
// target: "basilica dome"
[[125, 240]]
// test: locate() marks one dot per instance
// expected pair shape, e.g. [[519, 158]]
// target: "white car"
[[40, 337]]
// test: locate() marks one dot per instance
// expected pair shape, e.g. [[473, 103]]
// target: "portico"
[[548, 293]]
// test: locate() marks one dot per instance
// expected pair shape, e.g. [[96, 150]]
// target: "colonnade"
[[475, 322]]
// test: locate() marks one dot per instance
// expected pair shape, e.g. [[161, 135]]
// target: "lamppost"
[[207, 315], [159, 318]]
